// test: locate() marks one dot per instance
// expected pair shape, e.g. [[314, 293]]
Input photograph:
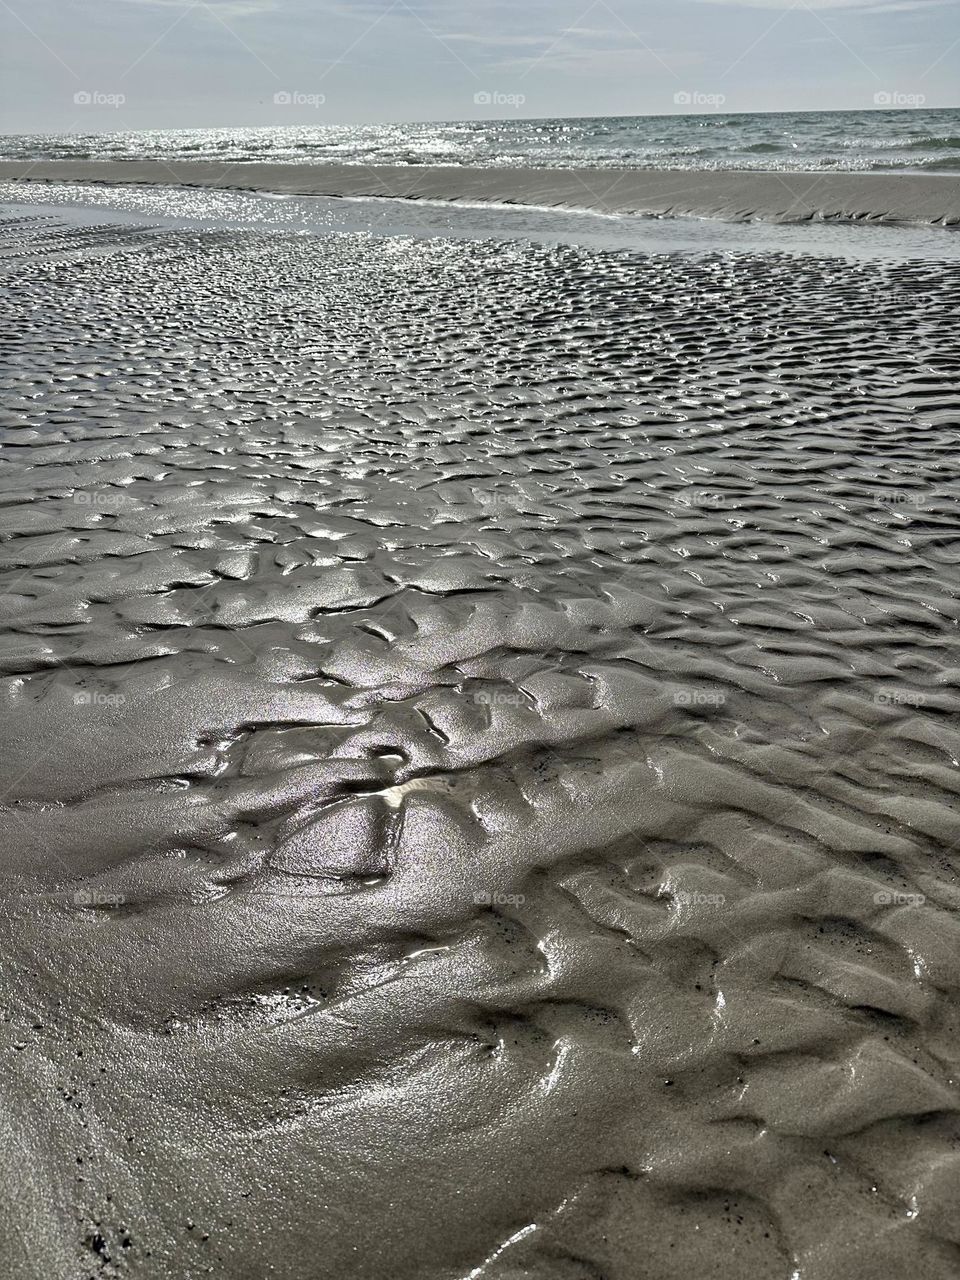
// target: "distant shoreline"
[[767, 112], [733, 195]]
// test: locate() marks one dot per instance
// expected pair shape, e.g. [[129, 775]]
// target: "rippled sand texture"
[[481, 762]]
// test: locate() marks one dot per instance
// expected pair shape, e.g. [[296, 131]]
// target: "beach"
[[779, 197], [481, 738]]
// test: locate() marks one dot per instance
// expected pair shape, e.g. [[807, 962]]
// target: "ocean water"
[[915, 139]]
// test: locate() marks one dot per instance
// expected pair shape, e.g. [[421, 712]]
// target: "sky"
[[85, 66]]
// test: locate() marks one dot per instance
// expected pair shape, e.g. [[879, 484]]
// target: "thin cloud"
[[601, 61], [858, 6], [217, 8], [521, 41], [595, 33], [464, 37], [903, 6]]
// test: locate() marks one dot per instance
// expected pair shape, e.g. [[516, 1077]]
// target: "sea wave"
[[922, 140]]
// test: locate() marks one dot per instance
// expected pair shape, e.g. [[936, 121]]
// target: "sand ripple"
[[482, 760]]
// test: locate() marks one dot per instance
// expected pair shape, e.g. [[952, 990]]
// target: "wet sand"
[[778, 197], [481, 760]]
